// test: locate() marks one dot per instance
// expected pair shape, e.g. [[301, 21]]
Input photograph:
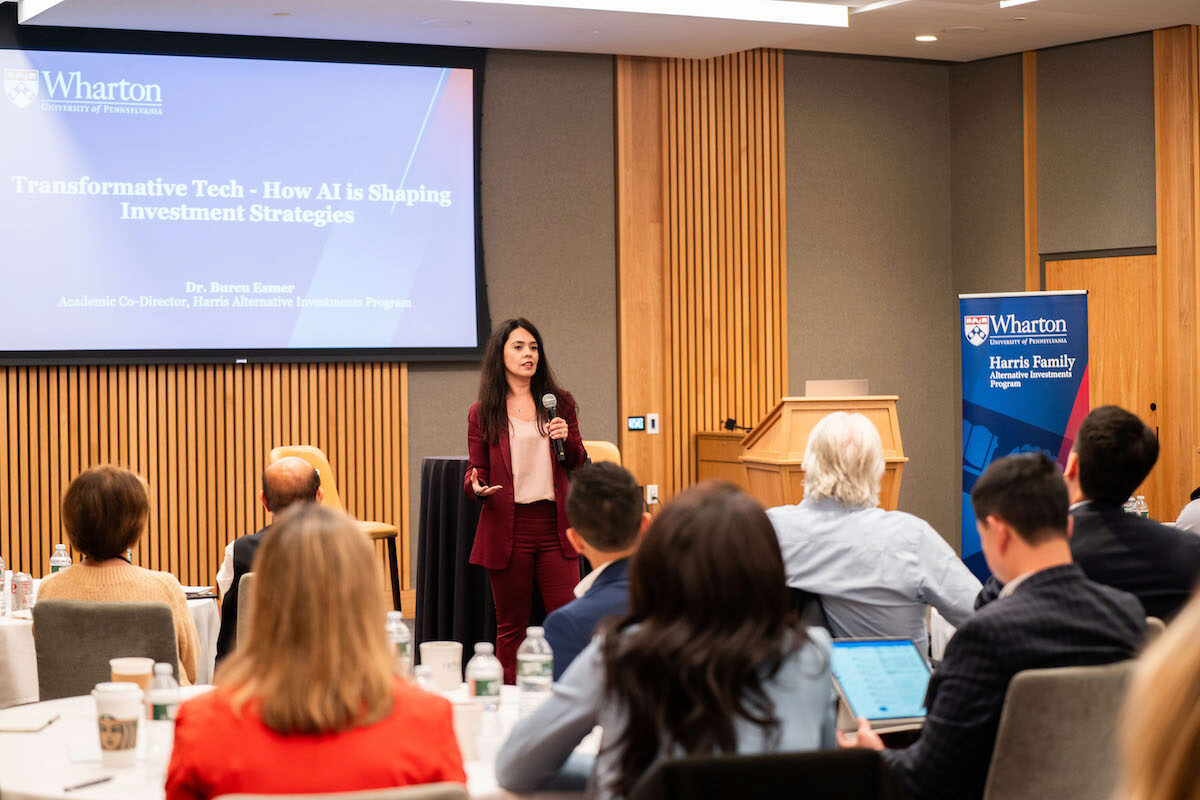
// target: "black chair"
[[808, 606], [819, 775]]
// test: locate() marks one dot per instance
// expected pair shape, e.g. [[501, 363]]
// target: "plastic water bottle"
[[61, 559], [1142, 509], [535, 670], [162, 701], [1131, 505], [3, 591], [484, 676], [401, 639]]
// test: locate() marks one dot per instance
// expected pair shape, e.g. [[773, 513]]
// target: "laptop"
[[881, 679]]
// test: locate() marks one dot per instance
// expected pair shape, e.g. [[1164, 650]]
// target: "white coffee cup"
[[132, 669], [118, 713], [468, 719], [444, 660]]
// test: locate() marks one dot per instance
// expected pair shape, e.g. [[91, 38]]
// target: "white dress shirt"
[[874, 570], [225, 573]]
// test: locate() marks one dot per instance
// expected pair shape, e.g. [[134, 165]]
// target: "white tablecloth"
[[38, 766], [18, 663]]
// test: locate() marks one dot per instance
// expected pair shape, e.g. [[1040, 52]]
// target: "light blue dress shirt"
[[875, 570], [540, 744]]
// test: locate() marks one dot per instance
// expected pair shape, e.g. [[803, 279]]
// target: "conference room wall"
[[870, 293], [1095, 108], [549, 241], [986, 201]]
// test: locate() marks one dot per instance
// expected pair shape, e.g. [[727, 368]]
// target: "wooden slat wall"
[[1177, 167], [723, 336], [200, 435]]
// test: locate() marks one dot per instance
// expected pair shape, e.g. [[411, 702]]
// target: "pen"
[[86, 784]]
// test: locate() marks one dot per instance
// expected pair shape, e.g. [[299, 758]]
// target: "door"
[[1124, 353]]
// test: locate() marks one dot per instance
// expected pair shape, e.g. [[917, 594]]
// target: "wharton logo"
[[21, 86], [976, 328], [71, 86]]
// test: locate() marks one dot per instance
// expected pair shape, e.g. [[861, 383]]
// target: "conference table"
[[18, 660], [39, 766]]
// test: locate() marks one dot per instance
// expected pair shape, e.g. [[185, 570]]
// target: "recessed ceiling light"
[[926, 37], [1019, 19], [791, 12], [964, 29], [281, 13], [1008, 3]]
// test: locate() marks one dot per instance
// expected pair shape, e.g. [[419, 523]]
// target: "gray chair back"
[[245, 600], [428, 791], [1154, 629], [74, 641], [1057, 734]]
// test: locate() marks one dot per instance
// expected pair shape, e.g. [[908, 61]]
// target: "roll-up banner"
[[1024, 385]]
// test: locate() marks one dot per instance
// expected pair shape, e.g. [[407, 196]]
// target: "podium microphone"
[[550, 403]]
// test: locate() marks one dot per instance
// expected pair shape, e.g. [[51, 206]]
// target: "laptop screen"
[[881, 678]]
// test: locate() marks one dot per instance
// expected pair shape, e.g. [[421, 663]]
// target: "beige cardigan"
[[120, 582]]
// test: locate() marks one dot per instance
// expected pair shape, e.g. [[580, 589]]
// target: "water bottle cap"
[[484, 647], [163, 668], [1141, 497], [394, 616], [534, 632], [60, 547]]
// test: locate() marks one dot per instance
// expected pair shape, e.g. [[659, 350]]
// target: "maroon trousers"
[[536, 552]]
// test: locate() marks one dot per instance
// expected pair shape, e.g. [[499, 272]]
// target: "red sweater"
[[218, 752]]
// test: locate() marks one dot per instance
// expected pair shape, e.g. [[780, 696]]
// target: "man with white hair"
[[874, 570]]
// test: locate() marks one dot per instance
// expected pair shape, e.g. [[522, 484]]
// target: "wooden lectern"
[[774, 451]]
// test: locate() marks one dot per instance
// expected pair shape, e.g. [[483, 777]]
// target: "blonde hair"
[[1160, 724], [317, 658], [844, 460]]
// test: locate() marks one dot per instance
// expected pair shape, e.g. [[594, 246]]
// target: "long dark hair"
[[709, 596], [493, 383]]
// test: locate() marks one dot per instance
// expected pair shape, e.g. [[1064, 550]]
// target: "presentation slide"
[[882, 680], [153, 202]]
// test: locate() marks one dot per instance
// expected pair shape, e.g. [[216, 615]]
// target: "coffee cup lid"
[[119, 689]]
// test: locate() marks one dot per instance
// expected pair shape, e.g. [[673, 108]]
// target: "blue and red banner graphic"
[[1024, 385]]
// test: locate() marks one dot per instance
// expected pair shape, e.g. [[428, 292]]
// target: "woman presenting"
[[523, 488]]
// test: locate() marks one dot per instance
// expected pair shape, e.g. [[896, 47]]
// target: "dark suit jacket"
[[1154, 562], [494, 536], [1054, 618], [244, 550], [570, 628]]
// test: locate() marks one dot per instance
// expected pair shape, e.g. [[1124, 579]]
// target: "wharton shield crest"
[[21, 86], [976, 328]]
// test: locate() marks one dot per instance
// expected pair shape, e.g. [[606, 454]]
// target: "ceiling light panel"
[[1008, 3], [775, 11]]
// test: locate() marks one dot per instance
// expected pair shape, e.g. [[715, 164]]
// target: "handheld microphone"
[[550, 403]]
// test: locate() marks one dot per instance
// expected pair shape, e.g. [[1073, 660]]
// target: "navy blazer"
[[1055, 618], [244, 551], [570, 628], [1154, 562]]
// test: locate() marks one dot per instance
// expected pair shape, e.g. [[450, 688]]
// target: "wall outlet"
[[651, 494], [652, 423]]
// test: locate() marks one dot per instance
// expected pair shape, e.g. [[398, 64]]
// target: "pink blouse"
[[533, 469]]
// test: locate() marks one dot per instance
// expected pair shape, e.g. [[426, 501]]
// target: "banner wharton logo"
[[21, 86], [976, 328]]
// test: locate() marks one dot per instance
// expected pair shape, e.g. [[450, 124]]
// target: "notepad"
[[25, 720]]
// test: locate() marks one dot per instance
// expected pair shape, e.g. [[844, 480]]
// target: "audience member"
[[1160, 730], [874, 570], [605, 509], [709, 660], [1189, 517], [1048, 615], [1113, 453], [309, 704], [284, 482], [104, 512]]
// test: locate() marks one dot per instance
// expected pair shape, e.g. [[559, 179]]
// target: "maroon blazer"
[[494, 537]]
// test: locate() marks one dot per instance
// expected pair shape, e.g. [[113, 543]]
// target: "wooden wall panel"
[[200, 435], [715, 265], [1177, 167], [1033, 275]]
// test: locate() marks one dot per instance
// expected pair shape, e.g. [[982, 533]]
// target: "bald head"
[[289, 480]]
